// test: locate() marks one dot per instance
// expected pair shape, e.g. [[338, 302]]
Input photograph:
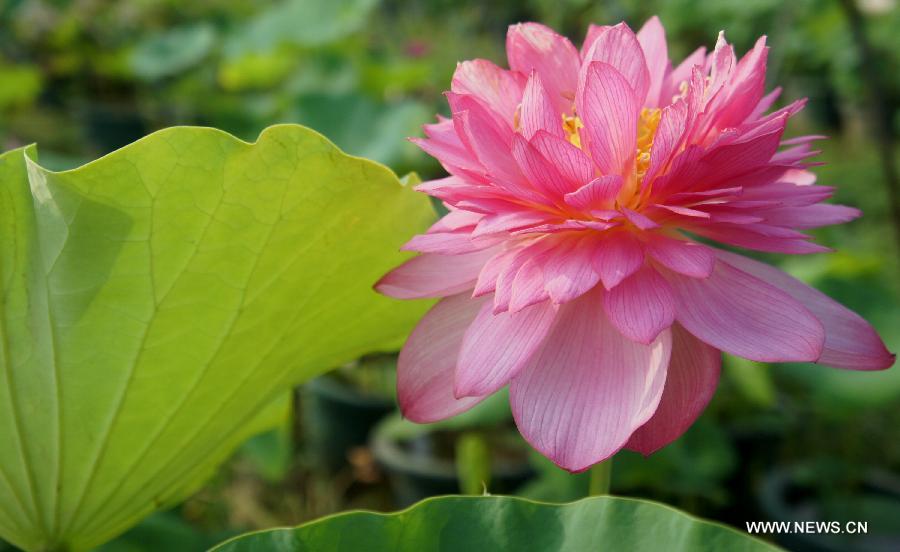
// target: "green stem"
[[601, 475]]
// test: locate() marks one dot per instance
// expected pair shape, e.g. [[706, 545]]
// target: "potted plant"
[[339, 409], [478, 451]]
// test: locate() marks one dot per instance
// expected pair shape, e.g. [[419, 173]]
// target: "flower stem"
[[601, 474]]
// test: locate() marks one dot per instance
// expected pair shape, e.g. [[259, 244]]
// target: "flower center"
[[571, 124], [647, 124]]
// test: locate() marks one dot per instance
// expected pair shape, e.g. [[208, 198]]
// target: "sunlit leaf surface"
[[506, 523], [156, 300]]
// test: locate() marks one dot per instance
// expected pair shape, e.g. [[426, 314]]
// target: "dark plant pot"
[[416, 470], [337, 418], [790, 494]]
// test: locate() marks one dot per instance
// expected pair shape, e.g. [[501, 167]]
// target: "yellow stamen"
[[647, 124], [571, 124]]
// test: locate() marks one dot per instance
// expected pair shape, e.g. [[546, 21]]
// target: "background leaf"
[[155, 300], [506, 523], [170, 52]]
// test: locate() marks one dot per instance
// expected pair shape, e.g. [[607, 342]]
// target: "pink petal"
[[638, 219], [672, 125], [618, 47], [496, 346], [747, 317], [684, 257], [535, 47], [641, 306], [527, 287], [609, 109], [569, 272], [725, 162], [487, 278], [505, 222], [427, 363], [570, 161], [618, 257], [681, 74], [444, 145], [691, 380], [491, 145], [749, 237], [540, 172], [599, 193], [746, 87], [587, 389], [430, 275], [850, 341], [446, 243], [453, 189], [498, 88], [538, 111], [503, 289], [764, 104], [593, 33], [684, 211], [456, 219], [811, 216], [652, 38]]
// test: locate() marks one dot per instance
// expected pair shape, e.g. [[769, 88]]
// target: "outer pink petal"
[[444, 145], [618, 257], [498, 88], [491, 145], [850, 341], [503, 289], [535, 47], [538, 111], [691, 381], [587, 389], [593, 33], [431, 275], [640, 220], [618, 47], [540, 172], [496, 346], [672, 125], [447, 243], [811, 216], [746, 87], [427, 363], [599, 193], [641, 306], [652, 38], [570, 161], [570, 272], [747, 317], [681, 74], [748, 237], [527, 287], [684, 257], [609, 109], [507, 221]]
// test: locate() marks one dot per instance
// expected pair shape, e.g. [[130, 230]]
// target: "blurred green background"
[[84, 77]]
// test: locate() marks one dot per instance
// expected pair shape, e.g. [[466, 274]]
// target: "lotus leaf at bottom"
[[501, 523]]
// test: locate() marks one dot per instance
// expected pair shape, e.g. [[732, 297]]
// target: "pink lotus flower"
[[562, 264]]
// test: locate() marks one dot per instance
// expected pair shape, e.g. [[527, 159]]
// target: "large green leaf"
[[155, 300], [454, 523]]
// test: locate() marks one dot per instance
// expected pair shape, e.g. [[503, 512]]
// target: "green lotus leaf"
[[468, 523], [156, 301]]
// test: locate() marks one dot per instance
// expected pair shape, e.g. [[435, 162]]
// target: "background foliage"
[[84, 77]]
